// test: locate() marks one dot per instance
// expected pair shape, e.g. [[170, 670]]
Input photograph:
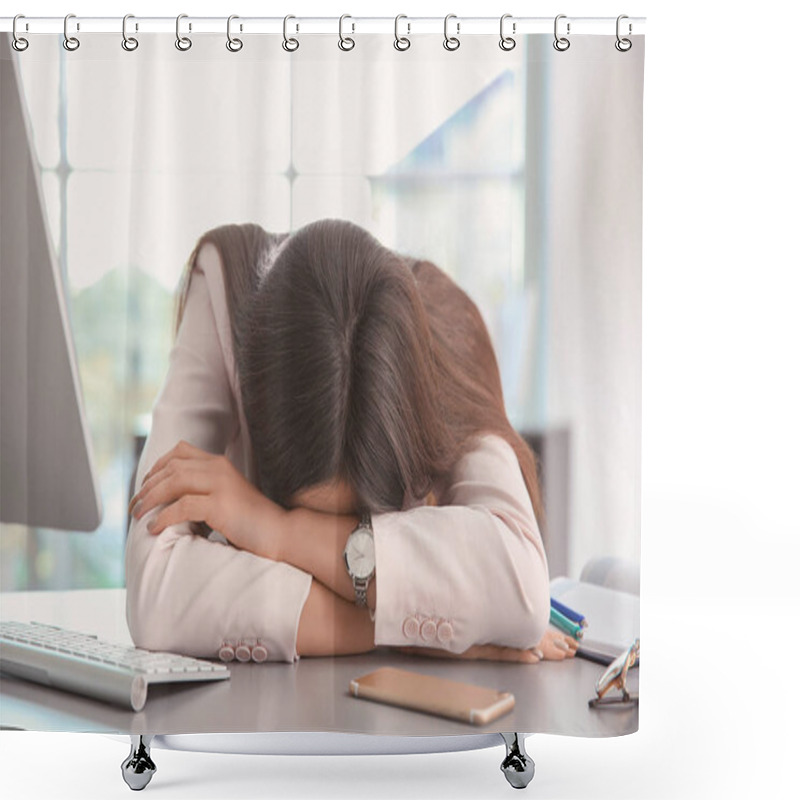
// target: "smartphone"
[[465, 702]]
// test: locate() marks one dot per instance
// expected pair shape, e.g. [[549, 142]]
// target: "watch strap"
[[361, 594], [361, 590]]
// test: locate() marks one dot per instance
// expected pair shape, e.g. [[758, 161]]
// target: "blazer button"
[[259, 653], [411, 627], [243, 652], [444, 633], [226, 652], [428, 630]]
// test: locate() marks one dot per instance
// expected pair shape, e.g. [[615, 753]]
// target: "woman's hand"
[[557, 646], [481, 652], [197, 486], [554, 646]]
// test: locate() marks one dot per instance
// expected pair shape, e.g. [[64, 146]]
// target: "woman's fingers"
[[557, 646], [173, 464], [190, 508], [184, 477], [181, 450], [554, 646], [152, 480]]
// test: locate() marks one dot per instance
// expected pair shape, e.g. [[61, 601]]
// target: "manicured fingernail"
[[137, 509], [537, 652], [561, 644], [150, 525]]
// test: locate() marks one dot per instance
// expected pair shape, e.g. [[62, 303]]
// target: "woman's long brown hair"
[[471, 388], [356, 363]]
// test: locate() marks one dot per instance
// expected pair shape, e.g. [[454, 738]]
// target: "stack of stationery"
[[605, 621]]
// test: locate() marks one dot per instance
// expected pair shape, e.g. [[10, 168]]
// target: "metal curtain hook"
[[234, 45], [129, 43], [19, 43], [397, 38], [506, 42], [561, 43], [623, 45], [70, 42], [351, 43], [294, 43], [451, 42], [182, 42]]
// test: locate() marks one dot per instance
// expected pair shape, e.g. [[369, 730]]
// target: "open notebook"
[[613, 616]]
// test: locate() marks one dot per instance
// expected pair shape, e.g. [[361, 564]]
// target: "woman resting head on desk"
[[368, 382]]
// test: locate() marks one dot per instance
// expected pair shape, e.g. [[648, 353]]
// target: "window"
[[126, 206]]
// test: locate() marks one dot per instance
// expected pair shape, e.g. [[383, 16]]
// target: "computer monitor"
[[47, 474]]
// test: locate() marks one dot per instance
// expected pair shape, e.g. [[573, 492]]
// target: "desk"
[[309, 695]]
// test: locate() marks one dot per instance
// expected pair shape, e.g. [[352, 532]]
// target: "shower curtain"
[[297, 272]]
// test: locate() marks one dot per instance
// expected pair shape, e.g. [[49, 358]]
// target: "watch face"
[[361, 553]]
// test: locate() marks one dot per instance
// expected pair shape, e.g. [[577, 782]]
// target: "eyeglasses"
[[616, 677]]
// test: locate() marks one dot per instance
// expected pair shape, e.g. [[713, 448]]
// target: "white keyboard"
[[90, 666]]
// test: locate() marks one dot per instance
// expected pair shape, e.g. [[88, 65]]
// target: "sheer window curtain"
[[592, 308], [139, 159]]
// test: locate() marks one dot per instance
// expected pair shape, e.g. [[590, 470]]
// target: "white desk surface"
[[310, 695]]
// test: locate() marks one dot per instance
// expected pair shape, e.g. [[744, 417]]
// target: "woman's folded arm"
[[332, 626], [186, 593], [471, 570]]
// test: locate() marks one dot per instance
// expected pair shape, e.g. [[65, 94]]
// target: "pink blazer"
[[471, 570]]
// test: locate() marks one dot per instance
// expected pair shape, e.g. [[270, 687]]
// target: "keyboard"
[[84, 664]]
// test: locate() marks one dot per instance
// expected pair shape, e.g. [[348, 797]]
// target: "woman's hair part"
[[356, 363]]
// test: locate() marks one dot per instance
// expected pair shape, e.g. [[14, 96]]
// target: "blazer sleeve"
[[473, 571], [187, 593]]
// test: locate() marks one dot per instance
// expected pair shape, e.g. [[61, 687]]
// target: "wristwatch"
[[359, 557]]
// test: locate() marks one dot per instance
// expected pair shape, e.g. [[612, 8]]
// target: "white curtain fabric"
[[593, 292], [518, 173]]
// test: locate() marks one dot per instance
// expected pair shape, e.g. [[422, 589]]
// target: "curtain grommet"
[[451, 42], [623, 44], [406, 42], [561, 43], [507, 42], [17, 41], [129, 43], [70, 42], [183, 43], [234, 44], [290, 48], [342, 39]]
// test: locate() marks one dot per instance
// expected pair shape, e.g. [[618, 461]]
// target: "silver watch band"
[[360, 584], [361, 595], [361, 590]]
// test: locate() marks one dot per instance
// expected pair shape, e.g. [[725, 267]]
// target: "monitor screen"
[[47, 475]]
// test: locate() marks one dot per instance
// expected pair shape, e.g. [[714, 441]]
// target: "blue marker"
[[568, 612]]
